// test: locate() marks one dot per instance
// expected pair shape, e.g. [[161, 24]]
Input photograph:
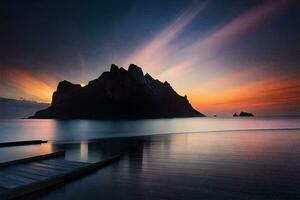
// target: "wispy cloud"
[[171, 61], [273, 91], [28, 85], [197, 54], [154, 52]]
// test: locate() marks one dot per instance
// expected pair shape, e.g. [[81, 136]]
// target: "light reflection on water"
[[209, 165], [62, 130], [257, 164], [84, 151], [18, 152]]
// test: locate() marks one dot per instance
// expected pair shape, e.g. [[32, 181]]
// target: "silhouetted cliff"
[[118, 94], [243, 114], [246, 114]]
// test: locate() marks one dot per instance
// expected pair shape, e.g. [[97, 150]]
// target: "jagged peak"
[[136, 70], [141, 96], [149, 78], [167, 83], [137, 73], [65, 83], [66, 86], [148, 75], [114, 68], [122, 69]]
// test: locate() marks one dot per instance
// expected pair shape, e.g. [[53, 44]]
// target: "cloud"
[[203, 49], [185, 65], [268, 93], [154, 52], [27, 84]]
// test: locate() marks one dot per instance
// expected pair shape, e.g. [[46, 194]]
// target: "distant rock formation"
[[16, 109], [243, 114], [118, 94], [246, 114]]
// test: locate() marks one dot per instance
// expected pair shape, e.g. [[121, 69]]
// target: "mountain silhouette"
[[243, 114], [118, 94], [246, 114]]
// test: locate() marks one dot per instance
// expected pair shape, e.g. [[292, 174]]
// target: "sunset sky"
[[225, 55]]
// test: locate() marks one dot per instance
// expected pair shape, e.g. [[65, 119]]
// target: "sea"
[[179, 158]]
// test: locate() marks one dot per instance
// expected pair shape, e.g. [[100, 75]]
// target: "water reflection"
[[18, 152], [227, 165], [207, 165], [84, 151], [79, 130]]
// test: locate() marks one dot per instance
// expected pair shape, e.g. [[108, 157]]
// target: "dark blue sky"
[[52, 40], [52, 34]]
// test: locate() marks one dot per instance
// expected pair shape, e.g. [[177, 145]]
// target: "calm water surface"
[[218, 159], [60, 130]]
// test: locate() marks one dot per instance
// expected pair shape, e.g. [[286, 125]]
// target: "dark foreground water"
[[204, 164]]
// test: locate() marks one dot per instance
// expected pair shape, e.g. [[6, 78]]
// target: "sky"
[[226, 55]]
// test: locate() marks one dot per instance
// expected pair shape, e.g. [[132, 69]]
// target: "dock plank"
[[63, 166], [52, 167], [36, 173], [4, 183], [22, 143], [25, 174], [15, 178], [64, 162], [32, 170], [51, 172], [32, 159]]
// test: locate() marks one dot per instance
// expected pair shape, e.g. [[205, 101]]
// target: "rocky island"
[[243, 114], [118, 94]]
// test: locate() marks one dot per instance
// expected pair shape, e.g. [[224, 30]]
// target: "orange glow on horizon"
[[181, 65], [212, 96], [168, 59], [269, 92], [29, 85]]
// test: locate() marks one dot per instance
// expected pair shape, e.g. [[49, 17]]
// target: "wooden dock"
[[28, 175], [21, 143]]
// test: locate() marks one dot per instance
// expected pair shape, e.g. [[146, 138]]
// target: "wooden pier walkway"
[[21, 143], [25, 176]]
